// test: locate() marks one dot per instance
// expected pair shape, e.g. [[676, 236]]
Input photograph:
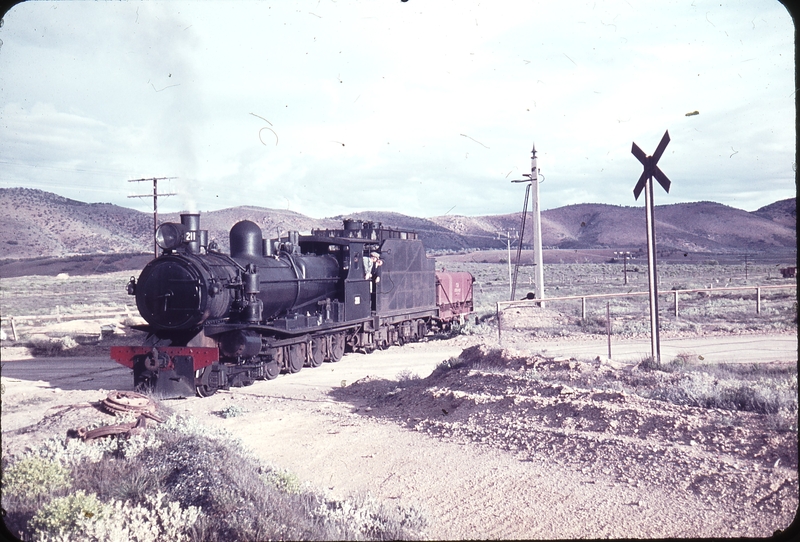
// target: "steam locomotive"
[[278, 305]]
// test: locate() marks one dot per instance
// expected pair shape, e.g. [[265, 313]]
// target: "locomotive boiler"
[[216, 320]]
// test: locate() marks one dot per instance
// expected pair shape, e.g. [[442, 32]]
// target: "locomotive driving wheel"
[[296, 357], [337, 347], [317, 352]]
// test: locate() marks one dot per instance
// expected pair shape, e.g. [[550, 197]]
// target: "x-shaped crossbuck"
[[650, 167]]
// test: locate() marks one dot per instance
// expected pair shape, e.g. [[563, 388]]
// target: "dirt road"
[[480, 455]]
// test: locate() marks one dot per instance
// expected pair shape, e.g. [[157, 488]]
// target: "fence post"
[[13, 329], [583, 308], [608, 327], [499, 337], [758, 299], [676, 304]]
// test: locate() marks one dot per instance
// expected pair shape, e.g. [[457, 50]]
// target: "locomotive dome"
[[246, 240]]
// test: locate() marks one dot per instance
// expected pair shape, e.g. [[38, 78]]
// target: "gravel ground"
[[502, 444]]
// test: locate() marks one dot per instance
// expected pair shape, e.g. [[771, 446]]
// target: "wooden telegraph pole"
[[646, 183], [508, 237], [155, 204], [625, 255]]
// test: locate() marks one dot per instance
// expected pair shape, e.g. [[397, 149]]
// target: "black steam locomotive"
[[278, 305]]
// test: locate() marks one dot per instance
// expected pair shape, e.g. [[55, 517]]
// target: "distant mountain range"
[[35, 223]]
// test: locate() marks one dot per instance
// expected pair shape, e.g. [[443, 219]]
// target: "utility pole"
[[155, 204], [625, 256], [746, 254], [510, 234], [533, 187]]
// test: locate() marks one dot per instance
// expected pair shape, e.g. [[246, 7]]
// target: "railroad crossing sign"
[[645, 183], [650, 168]]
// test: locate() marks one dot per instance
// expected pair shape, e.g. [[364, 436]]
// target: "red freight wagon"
[[453, 293]]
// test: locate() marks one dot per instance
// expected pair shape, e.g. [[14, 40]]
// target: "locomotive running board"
[[217, 329]]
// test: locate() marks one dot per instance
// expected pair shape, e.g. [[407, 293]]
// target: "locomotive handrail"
[[328, 279]]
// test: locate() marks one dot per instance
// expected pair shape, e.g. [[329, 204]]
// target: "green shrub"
[[71, 451], [63, 515], [83, 516], [154, 520], [231, 411], [649, 363], [763, 395], [33, 476], [283, 480]]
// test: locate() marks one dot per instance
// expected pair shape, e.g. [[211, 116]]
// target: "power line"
[[155, 196]]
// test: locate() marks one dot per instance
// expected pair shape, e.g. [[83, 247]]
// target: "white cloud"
[[332, 107]]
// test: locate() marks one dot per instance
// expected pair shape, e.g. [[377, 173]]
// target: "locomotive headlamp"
[[132, 286], [170, 235]]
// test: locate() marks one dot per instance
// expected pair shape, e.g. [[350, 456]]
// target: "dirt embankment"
[[737, 465]]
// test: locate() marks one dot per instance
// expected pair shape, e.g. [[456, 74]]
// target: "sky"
[[424, 108]]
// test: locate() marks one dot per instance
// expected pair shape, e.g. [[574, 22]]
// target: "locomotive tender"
[[278, 305]]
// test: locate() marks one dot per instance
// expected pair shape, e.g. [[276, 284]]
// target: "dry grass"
[[38, 295], [722, 311]]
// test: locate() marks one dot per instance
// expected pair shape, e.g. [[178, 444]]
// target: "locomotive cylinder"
[[240, 343]]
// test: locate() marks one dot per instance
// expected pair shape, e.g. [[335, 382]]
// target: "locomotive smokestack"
[[191, 224]]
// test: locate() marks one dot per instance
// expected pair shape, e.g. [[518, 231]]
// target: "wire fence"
[[679, 301], [34, 321]]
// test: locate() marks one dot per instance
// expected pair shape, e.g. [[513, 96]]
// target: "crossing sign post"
[[645, 184]]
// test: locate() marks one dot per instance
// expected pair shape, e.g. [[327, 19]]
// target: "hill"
[[783, 212], [39, 224], [36, 223], [694, 227]]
